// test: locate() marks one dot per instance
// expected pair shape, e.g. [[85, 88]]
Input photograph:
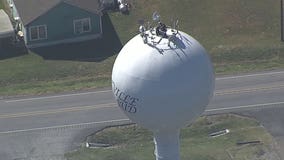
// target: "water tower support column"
[[167, 145]]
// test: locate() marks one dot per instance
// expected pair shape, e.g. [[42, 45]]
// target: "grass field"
[[1, 4], [240, 35], [135, 143]]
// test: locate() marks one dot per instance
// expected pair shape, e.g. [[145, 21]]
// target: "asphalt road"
[[47, 126]]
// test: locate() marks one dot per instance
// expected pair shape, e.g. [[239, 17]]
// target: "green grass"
[[34, 75], [1, 4], [135, 143], [240, 36], [236, 33]]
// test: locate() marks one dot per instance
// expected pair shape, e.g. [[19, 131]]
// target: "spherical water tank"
[[165, 83]]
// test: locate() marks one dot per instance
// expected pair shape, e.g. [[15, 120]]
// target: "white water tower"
[[163, 79]]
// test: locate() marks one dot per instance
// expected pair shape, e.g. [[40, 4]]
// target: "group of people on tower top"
[[161, 30]]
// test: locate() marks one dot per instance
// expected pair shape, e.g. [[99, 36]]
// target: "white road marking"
[[122, 120], [56, 111], [58, 96], [247, 90], [105, 91], [246, 106], [63, 126], [251, 75]]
